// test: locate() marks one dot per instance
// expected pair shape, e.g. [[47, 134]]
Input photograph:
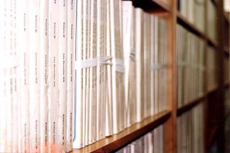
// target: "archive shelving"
[[213, 99]]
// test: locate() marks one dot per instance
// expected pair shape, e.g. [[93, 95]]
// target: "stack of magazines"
[[74, 72], [190, 61], [190, 128]]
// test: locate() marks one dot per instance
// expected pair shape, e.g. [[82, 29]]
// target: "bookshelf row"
[[159, 7], [137, 130], [182, 20], [143, 72]]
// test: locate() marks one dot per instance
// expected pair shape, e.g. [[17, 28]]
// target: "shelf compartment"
[[189, 26], [152, 5], [190, 105], [127, 136]]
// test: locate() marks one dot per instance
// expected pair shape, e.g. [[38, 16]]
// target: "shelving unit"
[[169, 118]]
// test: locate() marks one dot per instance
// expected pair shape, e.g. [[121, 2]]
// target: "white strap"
[[119, 65], [132, 54], [88, 63], [9, 62], [102, 60]]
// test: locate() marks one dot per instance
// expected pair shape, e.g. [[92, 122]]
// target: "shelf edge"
[[119, 140], [152, 5], [213, 90], [189, 26], [190, 105]]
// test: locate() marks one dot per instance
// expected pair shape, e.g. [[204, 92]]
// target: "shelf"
[[190, 105], [212, 42], [226, 51], [226, 18], [189, 26], [192, 28], [226, 85], [152, 5], [213, 90], [130, 134], [215, 2]]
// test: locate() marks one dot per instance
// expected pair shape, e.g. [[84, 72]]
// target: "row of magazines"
[[74, 72]]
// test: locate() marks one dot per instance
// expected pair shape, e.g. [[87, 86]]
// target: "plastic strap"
[[119, 65], [102, 60]]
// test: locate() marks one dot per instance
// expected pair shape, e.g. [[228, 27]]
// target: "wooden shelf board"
[[130, 134], [226, 51], [192, 28], [226, 18], [189, 26], [215, 3], [152, 5], [226, 85], [213, 90], [212, 42], [190, 105]]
